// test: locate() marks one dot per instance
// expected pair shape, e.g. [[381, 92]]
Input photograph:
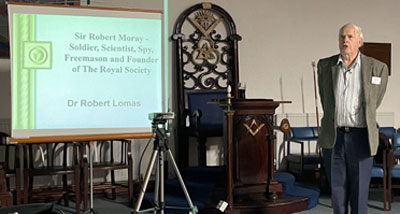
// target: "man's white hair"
[[358, 29]]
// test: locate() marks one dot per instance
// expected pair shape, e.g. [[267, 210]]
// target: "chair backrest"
[[2, 180], [315, 130], [112, 152], [9, 163], [50, 155], [396, 140], [383, 147], [211, 120], [303, 133], [3, 138], [389, 131], [206, 52]]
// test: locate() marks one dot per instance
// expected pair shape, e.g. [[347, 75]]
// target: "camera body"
[[161, 116]]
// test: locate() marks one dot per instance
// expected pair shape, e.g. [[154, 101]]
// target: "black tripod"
[[160, 148]]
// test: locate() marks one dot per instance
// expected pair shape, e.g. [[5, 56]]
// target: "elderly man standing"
[[351, 87]]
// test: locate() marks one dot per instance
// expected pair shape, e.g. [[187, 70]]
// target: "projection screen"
[[77, 71]]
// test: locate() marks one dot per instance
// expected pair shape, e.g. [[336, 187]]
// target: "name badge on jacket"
[[376, 80]]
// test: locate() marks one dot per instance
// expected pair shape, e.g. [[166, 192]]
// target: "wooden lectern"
[[250, 159]]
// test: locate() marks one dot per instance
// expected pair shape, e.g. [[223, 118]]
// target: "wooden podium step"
[[284, 204], [257, 204]]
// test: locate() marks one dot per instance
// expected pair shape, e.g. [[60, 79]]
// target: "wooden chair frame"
[[108, 164], [15, 171], [50, 168]]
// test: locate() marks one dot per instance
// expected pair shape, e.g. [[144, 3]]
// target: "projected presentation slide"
[[85, 72]]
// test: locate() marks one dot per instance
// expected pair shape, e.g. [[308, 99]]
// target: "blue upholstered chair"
[[394, 172], [394, 178], [204, 118], [300, 160], [389, 131], [380, 173], [396, 147]]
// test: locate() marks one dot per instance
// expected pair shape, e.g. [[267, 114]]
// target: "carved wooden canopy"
[[206, 48]]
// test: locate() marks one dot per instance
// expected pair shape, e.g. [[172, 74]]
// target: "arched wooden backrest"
[[206, 57]]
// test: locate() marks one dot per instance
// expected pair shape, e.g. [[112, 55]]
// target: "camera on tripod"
[[161, 117], [160, 149]]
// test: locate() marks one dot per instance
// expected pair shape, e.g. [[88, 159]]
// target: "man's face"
[[349, 41]]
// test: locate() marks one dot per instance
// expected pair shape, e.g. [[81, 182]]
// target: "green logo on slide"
[[37, 55]]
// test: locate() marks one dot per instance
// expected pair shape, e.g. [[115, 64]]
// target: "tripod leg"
[[157, 185], [162, 199], [178, 175], [146, 180]]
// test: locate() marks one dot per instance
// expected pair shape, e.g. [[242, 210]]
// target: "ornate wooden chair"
[[104, 161], [206, 59], [53, 159]]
